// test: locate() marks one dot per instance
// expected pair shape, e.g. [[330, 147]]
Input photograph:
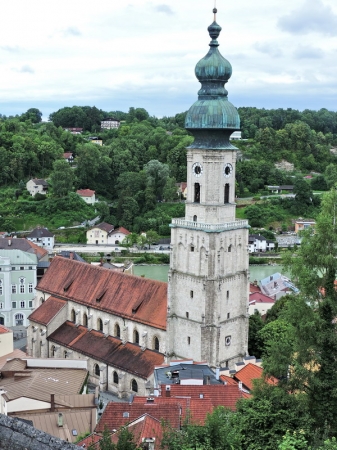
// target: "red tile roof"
[[121, 230], [116, 415], [3, 329], [252, 372], [136, 298], [258, 297], [47, 311], [228, 380], [253, 288], [129, 357], [143, 427], [224, 395], [85, 192]]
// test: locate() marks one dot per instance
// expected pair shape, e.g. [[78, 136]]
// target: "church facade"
[[208, 279]]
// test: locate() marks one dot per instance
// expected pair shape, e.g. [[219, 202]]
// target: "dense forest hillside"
[[137, 168]]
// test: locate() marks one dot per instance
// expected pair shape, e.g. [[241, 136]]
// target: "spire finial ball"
[[215, 10]]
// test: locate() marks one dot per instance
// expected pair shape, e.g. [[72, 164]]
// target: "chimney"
[[168, 391], [60, 420], [71, 255], [9, 242], [52, 402], [217, 373]]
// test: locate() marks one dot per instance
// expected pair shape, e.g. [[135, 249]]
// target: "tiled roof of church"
[[136, 298], [47, 311], [129, 357]]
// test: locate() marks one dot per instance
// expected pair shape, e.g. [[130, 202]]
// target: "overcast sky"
[[142, 53]]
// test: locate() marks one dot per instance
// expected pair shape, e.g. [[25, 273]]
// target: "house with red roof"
[[260, 302], [118, 235], [114, 320], [87, 195]]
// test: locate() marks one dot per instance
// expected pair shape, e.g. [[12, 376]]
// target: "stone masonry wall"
[[16, 435]]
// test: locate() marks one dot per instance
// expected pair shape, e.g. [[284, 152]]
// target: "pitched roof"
[[18, 257], [39, 383], [258, 297], [143, 427], [252, 372], [24, 245], [136, 298], [121, 230], [104, 226], [40, 233], [85, 192], [224, 395], [110, 350], [40, 181], [116, 415], [17, 353], [254, 288], [3, 330], [47, 311], [81, 421]]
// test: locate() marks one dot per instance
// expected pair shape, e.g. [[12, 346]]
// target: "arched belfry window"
[[195, 218], [196, 193], [85, 320], [117, 330], [134, 385], [73, 316], [97, 371], [227, 193], [100, 324]]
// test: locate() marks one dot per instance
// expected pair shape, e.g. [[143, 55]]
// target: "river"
[[159, 272]]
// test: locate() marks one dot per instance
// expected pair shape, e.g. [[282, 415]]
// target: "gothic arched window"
[[115, 377], [97, 371], [134, 385], [156, 343], [73, 316], [85, 320], [117, 330], [196, 193]]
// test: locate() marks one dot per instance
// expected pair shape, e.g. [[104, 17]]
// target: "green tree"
[[62, 178], [255, 325], [157, 175], [330, 175], [307, 358]]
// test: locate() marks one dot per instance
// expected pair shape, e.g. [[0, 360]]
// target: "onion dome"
[[212, 111]]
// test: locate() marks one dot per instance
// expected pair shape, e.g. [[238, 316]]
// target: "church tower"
[[208, 278]]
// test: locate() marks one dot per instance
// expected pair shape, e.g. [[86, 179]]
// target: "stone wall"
[[17, 435]]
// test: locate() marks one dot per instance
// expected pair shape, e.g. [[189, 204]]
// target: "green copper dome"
[[212, 111]]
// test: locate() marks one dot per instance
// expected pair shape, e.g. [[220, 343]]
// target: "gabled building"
[[100, 234], [114, 320], [69, 157], [29, 384], [87, 195], [6, 339], [258, 243], [260, 302], [18, 279], [37, 186], [42, 237], [277, 285], [118, 235]]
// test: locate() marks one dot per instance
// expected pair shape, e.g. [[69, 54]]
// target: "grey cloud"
[[164, 9], [307, 52], [310, 17], [10, 49], [72, 31], [268, 49]]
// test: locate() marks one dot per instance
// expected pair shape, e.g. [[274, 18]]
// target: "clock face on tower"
[[197, 169], [228, 170]]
